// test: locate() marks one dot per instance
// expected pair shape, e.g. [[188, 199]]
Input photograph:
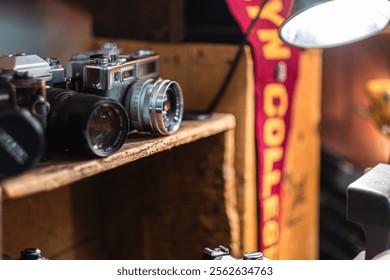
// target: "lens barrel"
[[155, 105], [85, 123]]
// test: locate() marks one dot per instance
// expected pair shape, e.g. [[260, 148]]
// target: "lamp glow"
[[330, 23]]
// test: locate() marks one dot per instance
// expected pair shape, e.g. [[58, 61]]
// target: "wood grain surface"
[[60, 170]]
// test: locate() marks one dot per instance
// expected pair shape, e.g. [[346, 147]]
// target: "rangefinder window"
[[148, 69], [127, 74]]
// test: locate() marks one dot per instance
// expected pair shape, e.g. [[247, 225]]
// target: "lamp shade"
[[330, 23]]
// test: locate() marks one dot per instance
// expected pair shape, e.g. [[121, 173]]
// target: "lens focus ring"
[[155, 105]]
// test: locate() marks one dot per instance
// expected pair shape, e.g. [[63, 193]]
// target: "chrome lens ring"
[[155, 105]]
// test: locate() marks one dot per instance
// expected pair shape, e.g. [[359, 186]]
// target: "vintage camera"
[[79, 123], [153, 105], [23, 111], [223, 253]]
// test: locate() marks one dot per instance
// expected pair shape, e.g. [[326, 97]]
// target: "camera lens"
[[155, 105], [104, 127], [21, 141], [85, 123]]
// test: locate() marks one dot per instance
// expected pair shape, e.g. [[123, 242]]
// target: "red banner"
[[276, 68]]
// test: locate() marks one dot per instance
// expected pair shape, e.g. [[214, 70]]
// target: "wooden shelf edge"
[[55, 174]]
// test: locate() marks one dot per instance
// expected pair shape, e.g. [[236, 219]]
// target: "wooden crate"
[[200, 70]]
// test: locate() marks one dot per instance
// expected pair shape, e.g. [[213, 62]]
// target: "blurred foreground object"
[[368, 204]]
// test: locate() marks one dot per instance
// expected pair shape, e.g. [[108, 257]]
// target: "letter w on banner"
[[274, 99]]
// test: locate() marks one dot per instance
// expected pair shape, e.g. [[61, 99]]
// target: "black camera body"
[[23, 116], [153, 104]]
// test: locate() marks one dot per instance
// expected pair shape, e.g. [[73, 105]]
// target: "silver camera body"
[[112, 76], [153, 104], [49, 69]]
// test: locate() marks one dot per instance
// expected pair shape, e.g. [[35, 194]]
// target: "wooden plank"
[[300, 212], [200, 70], [63, 170]]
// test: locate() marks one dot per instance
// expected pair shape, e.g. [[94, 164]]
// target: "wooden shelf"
[[61, 170], [71, 209]]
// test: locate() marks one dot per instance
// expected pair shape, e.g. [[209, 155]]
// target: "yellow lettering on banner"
[[271, 12], [275, 100], [252, 11], [273, 48], [270, 179], [270, 233], [271, 207], [272, 155], [274, 131]]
